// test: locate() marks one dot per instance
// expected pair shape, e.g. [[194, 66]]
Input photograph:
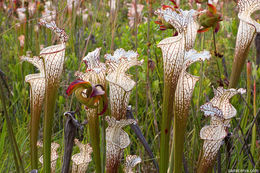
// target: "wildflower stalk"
[[113, 20], [253, 142], [103, 149], [248, 96], [136, 45], [215, 49], [90, 96]]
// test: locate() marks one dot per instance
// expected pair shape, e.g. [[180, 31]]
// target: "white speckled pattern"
[[221, 111], [120, 83], [131, 162], [82, 159]]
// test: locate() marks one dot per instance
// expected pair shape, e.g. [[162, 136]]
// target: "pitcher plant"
[[120, 83], [54, 155], [246, 32], [221, 111], [174, 48], [95, 73], [82, 159], [131, 162], [117, 140], [53, 59], [183, 95], [120, 87], [37, 91]]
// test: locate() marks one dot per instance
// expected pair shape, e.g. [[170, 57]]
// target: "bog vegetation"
[[133, 86]]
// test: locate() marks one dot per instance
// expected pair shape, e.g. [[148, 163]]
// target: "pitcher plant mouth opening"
[[120, 83], [131, 162], [81, 159], [95, 70], [117, 140]]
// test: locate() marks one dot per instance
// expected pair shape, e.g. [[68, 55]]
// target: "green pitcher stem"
[[93, 125], [35, 120], [179, 130], [49, 107], [103, 149], [171, 163], [168, 98]]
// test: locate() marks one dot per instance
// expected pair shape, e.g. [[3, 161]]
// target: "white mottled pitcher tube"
[[37, 92], [173, 51], [221, 111], [95, 74], [246, 32], [183, 95], [53, 58], [131, 162], [117, 140], [82, 159], [120, 83], [54, 155]]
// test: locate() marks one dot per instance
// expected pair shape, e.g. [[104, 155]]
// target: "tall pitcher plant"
[[183, 95], [221, 111], [173, 50], [37, 91], [120, 87], [95, 74], [53, 59], [246, 32], [44, 86]]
